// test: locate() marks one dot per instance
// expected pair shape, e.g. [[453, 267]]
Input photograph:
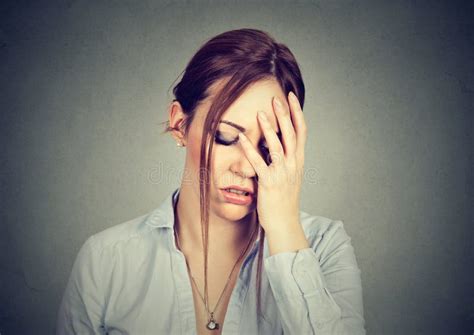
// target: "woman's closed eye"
[[225, 140]]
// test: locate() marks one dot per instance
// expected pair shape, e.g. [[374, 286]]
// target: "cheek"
[[218, 160], [194, 151], [224, 158]]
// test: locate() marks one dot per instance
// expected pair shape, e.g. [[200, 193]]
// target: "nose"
[[242, 166]]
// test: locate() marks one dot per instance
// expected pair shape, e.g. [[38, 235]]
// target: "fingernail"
[[262, 114], [278, 102], [293, 96]]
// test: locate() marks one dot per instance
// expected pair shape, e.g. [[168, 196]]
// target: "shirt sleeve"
[[318, 290], [80, 311]]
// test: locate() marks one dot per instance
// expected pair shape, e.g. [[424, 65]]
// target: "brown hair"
[[238, 58]]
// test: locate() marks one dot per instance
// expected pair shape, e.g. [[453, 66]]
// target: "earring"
[[179, 144]]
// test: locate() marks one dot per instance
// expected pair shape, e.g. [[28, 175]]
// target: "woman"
[[229, 251]]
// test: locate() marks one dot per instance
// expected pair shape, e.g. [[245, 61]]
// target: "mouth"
[[237, 191], [237, 195]]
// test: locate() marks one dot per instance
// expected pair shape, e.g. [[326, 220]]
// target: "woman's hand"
[[279, 184]]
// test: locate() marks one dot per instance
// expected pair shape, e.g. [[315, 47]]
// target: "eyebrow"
[[230, 123], [239, 127]]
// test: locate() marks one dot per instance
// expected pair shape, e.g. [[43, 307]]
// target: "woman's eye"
[[222, 140]]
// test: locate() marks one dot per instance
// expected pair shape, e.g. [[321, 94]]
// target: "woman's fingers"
[[286, 128], [253, 156], [299, 124], [288, 151], [275, 147]]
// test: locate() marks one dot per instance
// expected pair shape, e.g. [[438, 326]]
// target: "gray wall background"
[[85, 85]]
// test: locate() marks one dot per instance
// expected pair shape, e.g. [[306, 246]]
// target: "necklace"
[[212, 324]]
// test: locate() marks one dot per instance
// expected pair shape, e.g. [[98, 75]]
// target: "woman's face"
[[230, 166]]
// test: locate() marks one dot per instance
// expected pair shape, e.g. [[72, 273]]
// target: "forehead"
[[257, 97]]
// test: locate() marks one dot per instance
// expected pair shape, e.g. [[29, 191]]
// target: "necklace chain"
[[228, 279], [211, 322]]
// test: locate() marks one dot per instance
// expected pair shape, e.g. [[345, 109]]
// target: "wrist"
[[286, 239]]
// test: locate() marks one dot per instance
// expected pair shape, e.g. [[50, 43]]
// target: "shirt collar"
[[163, 216]]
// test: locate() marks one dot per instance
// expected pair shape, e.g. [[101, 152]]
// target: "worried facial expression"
[[230, 166]]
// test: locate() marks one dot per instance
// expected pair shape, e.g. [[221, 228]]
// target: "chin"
[[233, 212]]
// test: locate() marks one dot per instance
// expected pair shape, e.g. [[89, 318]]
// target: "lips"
[[239, 188], [236, 198]]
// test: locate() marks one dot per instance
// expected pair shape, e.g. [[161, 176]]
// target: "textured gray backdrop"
[[85, 85]]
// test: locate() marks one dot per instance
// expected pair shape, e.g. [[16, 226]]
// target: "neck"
[[233, 236]]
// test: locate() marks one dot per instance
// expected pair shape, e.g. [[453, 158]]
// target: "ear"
[[176, 118]]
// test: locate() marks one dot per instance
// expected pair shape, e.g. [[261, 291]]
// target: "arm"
[[318, 289], [80, 311]]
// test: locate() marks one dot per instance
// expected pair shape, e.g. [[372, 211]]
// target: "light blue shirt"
[[132, 279]]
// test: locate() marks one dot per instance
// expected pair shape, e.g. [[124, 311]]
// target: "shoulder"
[[117, 245], [122, 234]]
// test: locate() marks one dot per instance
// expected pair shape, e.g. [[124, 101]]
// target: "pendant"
[[212, 324]]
